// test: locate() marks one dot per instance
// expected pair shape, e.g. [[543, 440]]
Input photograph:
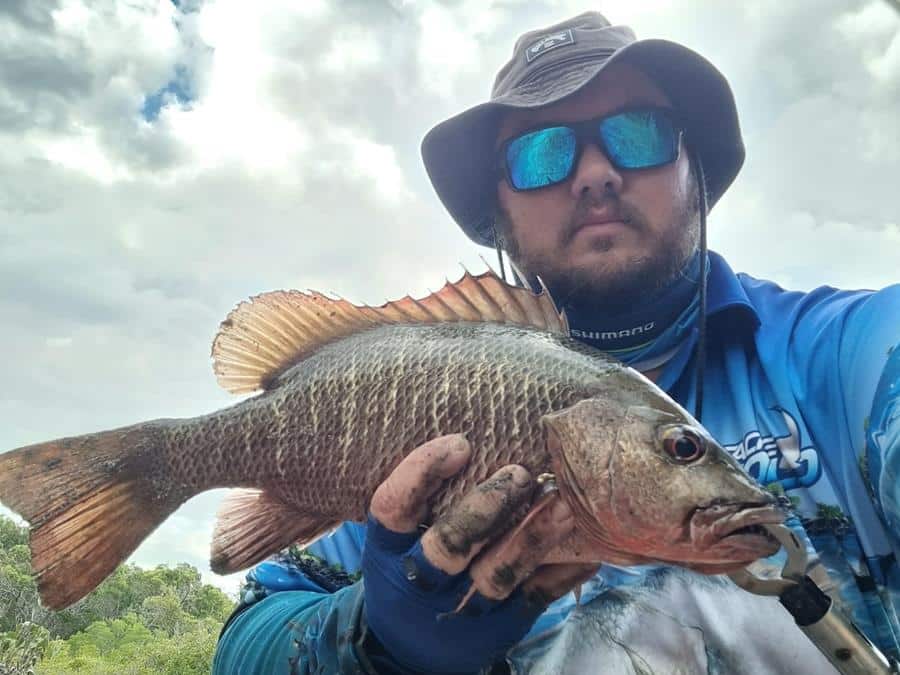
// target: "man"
[[591, 167]]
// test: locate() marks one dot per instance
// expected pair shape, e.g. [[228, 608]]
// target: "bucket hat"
[[552, 63]]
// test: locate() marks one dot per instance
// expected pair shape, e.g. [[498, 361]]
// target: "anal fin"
[[253, 524]]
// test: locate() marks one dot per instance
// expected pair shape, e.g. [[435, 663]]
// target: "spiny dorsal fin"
[[264, 336]]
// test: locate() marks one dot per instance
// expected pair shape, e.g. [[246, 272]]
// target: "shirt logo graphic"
[[769, 459], [612, 334], [548, 42]]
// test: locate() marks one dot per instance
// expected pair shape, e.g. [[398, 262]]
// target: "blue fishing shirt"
[[803, 389]]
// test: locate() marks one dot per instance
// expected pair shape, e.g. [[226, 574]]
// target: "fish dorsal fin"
[[269, 333]]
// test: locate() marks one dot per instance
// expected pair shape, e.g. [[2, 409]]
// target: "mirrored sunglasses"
[[640, 138]]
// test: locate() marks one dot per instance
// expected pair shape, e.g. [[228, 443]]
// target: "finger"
[[483, 514], [500, 569], [551, 582], [400, 503]]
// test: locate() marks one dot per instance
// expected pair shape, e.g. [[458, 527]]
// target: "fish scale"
[[450, 377]]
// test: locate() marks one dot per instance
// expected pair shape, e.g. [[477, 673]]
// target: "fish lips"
[[735, 530]]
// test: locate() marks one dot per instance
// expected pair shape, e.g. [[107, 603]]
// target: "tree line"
[[138, 621]]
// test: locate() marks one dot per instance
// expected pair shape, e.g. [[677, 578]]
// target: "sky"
[[162, 161]]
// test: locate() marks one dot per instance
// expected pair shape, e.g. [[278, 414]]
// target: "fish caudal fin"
[[89, 502], [253, 525]]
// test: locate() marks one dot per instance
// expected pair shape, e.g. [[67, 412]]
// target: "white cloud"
[[82, 153], [886, 67], [799, 251], [352, 48], [451, 42], [377, 163]]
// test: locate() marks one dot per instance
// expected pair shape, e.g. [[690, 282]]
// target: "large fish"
[[347, 391]]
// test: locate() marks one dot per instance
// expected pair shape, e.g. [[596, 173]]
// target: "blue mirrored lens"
[[541, 158], [640, 139]]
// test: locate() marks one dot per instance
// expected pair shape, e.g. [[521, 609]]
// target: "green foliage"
[[864, 470], [777, 489], [127, 647], [830, 512], [140, 622], [11, 534], [18, 593], [22, 648]]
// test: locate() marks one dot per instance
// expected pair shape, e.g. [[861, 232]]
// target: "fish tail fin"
[[90, 500]]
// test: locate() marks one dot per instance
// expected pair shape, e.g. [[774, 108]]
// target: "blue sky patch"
[[177, 90]]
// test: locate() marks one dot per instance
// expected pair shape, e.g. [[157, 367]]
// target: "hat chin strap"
[[499, 246], [517, 275], [701, 314]]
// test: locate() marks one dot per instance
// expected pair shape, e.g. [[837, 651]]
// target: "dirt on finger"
[[481, 516], [501, 568]]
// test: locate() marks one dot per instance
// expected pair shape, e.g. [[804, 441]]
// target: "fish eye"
[[683, 444]]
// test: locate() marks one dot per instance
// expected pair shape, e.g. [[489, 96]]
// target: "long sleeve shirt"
[[803, 389]]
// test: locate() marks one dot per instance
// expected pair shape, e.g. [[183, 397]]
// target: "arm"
[[846, 368], [871, 363], [389, 623]]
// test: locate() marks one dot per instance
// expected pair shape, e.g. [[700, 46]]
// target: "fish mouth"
[[735, 531]]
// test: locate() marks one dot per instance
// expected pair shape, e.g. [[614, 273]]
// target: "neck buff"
[[649, 335]]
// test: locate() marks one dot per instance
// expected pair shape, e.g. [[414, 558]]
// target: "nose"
[[595, 175]]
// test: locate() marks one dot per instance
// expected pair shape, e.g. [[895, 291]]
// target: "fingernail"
[[521, 478], [460, 443]]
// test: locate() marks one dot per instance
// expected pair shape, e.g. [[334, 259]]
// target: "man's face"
[[554, 231]]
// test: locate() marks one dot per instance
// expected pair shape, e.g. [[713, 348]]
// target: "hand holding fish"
[[418, 581]]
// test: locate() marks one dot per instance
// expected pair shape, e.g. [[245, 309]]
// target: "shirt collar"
[[725, 292], [725, 295]]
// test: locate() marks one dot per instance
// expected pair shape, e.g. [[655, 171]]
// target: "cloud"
[[290, 158], [71, 92], [35, 15], [41, 72], [822, 151]]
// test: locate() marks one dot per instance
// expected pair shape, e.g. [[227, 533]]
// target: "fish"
[[336, 394]]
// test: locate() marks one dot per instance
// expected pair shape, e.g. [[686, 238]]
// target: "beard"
[[612, 285]]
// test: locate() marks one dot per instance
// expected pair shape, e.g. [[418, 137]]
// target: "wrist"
[[373, 655]]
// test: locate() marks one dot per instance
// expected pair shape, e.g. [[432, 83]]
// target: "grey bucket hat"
[[552, 63]]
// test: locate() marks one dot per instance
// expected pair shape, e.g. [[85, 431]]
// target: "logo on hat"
[[547, 42]]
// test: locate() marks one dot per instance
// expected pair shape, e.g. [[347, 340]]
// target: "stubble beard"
[[614, 285]]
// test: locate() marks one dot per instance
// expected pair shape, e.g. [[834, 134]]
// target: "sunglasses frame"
[[586, 131]]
